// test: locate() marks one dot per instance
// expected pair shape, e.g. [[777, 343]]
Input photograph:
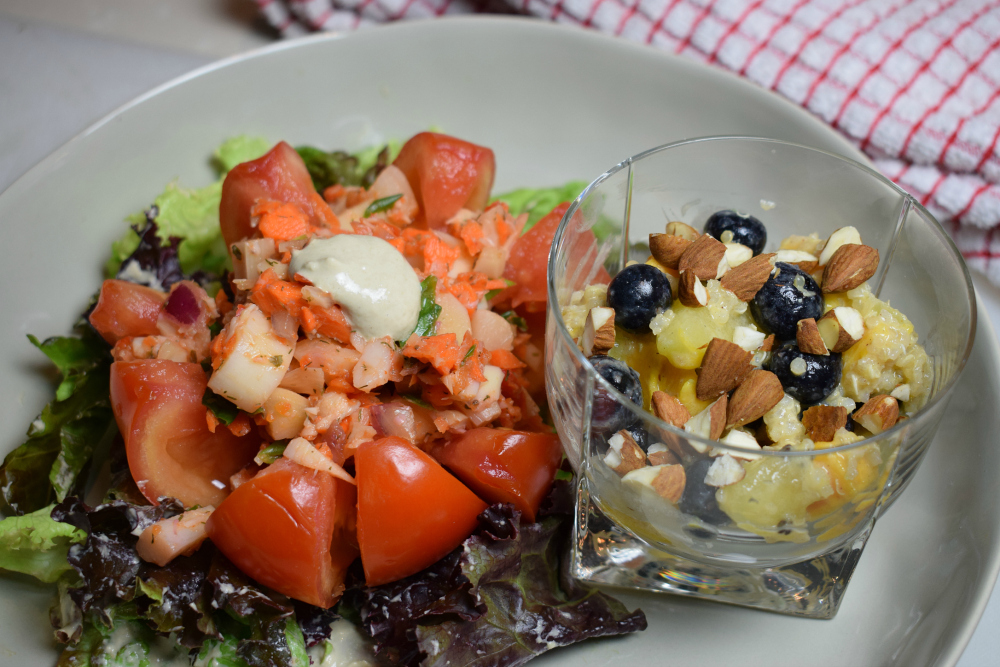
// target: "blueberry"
[[608, 415], [810, 380], [746, 229], [789, 295], [638, 294], [699, 498]]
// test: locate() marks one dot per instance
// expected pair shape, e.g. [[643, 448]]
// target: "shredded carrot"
[[280, 221], [441, 351], [240, 426], [505, 359], [471, 233], [222, 302], [334, 192], [212, 420], [469, 288], [439, 256], [272, 294]]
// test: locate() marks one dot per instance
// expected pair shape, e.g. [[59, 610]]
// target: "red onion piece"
[[182, 304]]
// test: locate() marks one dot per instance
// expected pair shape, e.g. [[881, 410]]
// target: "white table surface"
[[66, 63]]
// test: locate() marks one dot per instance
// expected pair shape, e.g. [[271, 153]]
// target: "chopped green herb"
[[223, 410], [469, 353], [276, 360], [271, 453], [416, 400], [492, 294], [516, 320], [429, 310], [383, 204]]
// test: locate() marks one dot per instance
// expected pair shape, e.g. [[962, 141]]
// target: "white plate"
[[555, 103]]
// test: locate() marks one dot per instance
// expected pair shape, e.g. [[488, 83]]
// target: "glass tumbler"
[[790, 543]]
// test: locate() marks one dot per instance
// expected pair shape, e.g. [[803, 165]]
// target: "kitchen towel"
[[915, 84]]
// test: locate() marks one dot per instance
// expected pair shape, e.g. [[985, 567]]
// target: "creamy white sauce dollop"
[[373, 283]]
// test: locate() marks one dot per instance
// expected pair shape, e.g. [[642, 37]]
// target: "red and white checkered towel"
[[914, 83]]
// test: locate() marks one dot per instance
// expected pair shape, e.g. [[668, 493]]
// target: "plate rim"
[[952, 650]]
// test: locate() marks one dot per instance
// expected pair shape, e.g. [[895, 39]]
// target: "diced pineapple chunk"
[[251, 360]]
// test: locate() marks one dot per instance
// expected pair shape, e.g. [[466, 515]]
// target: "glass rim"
[[940, 395]]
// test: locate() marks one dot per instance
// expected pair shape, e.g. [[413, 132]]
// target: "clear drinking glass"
[[799, 551]]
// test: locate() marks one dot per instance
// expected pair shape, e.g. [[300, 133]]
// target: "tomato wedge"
[[280, 175], [291, 528], [528, 264], [171, 452], [504, 466], [411, 511], [126, 309], [446, 174]]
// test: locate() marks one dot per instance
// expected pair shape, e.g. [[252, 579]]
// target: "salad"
[[303, 422]]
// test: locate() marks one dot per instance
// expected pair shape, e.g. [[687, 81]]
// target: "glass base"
[[606, 554]]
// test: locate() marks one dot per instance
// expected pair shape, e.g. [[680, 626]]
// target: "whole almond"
[[757, 394], [850, 266], [669, 409], [746, 279], [703, 258], [823, 421], [723, 367], [667, 248], [808, 337]]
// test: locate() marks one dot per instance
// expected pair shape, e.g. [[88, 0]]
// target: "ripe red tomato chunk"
[[280, 175], [446, 174], [171, 452], [126, 309], [291, 528], [504, 466], [411, 511]]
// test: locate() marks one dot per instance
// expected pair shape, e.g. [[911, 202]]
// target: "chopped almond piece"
[[659, 455], [746, 279], [669, 482], [879, 414], [682, 230], [705, 258], [823, 421], [624, 454], [768, 344], [667, 248], [841, 328], [850, 266], [690, 291], [723, 367], [808, 337], [670, 409], [758, 393], [598, 331]]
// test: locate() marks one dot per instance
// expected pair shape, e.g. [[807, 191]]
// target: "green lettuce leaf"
[[192, 215], [537, 202], [37, 545], [238, 150], [61, 441]]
